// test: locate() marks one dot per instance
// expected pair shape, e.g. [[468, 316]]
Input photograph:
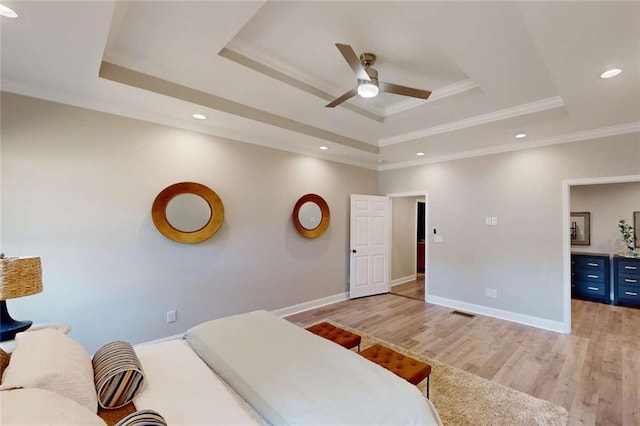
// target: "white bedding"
[[180, 386], [291, 376]]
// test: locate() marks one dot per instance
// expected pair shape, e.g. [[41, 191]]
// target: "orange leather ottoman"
[[406, 367], [344, 338]]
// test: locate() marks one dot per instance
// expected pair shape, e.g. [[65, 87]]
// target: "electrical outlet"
[[491, 292], [172, 316], [487, 221], [494, 221], [438, 239]]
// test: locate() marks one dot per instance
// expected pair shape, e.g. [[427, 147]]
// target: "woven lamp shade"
[[20, 276]]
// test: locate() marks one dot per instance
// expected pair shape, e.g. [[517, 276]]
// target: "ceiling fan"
[[368, 84]]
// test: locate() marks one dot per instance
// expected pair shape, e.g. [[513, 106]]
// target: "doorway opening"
[[409, 245], [567, 184]]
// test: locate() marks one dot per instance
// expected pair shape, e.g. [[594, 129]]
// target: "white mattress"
[[184, 390], [293, 377]]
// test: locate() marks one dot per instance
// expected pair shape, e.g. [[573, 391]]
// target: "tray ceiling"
[[263, 71]]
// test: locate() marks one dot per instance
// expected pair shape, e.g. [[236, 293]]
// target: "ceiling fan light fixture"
[[368, 89]]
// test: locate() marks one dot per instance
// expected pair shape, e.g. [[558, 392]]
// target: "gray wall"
[[522, 256], [77, 188], [607, 203]]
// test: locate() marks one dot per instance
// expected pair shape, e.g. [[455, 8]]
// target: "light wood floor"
[[413, 289], [594, 372]]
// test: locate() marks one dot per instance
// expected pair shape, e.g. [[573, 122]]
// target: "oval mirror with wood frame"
[[311, 216], [184, 211]]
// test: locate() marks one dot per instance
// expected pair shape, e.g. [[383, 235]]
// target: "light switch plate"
[[487, 221], [494, 221], [438, 239]]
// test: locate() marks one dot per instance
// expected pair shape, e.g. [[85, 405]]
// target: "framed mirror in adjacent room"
[[580, 228], [636, 228]]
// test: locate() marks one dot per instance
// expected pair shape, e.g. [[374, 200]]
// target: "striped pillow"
[[143, 418], [117, 373]]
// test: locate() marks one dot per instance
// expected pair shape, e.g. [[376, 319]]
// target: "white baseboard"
[[403, 280], [436, 300], [545, 324], [282, 312], [306, 306], [162, 339]]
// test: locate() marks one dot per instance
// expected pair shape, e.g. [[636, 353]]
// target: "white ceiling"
[[263, 71]]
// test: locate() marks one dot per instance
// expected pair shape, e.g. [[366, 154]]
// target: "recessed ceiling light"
[[7, 12], [521, 135], [611, 73], [420, 154], [199, 116], [324, 148]]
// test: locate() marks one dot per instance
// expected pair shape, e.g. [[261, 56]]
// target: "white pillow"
[[48, 359], [42, 407]]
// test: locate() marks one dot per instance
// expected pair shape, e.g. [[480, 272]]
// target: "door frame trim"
[[566, 241], [425, 194]]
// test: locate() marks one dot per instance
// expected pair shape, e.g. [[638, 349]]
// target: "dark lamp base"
[[8, 326]]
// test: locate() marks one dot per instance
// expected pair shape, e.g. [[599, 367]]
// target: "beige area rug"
[[463, 398]]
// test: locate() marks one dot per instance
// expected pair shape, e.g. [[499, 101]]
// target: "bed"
[[248, 369]]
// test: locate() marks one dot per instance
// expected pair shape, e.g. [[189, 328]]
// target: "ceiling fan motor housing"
[[367, 59]]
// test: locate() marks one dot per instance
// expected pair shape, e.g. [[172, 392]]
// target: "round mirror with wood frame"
[[159, 212], [313, 227]]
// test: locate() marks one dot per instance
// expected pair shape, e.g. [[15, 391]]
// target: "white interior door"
[[370, 246]]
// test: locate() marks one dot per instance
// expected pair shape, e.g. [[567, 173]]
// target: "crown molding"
[[518, 146], [503, 114], [130, 77], [134, 113], [167, 120]]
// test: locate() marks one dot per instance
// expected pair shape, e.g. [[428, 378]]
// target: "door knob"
[[354, 251]]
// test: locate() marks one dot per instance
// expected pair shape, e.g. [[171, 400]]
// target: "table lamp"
[[18, 277]]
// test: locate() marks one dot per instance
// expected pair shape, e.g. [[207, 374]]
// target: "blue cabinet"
[[590, 277], [626, 275]]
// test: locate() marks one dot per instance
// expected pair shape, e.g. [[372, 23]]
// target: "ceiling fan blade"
[[353, 61], [403, 90], [350, 94]]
